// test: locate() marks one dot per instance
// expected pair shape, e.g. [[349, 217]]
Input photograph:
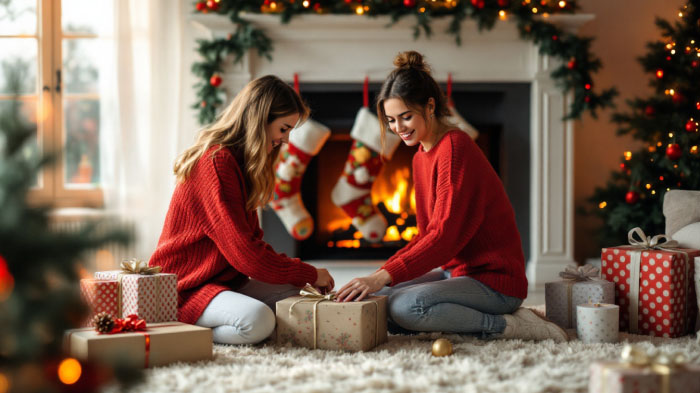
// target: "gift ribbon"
[[663, 364], [573, 274], [310, 294], [658, 242], [144, 332]]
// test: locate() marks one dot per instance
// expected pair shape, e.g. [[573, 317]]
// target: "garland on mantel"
[[578, 63]]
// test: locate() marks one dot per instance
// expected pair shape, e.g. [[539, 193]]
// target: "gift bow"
[[649, 243], [579, 273], [132, 323], [137, 266], [311, 292]]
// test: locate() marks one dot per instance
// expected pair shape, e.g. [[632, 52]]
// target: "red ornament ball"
[[690, 126], [587, 86], [673, 152], [409, 3], [571, 64], [212, 5], [201, 6], [632, 197], [649, 111], [215, 80]]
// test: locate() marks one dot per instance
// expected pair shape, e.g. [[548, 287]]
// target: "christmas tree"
[[667, 123], [39, 291]]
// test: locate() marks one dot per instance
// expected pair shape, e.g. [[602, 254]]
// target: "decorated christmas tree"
[[39, 291], [667, 123]]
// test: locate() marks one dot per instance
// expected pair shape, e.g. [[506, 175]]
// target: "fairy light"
[[671, 91], [673, 51], [670, 135], [669, 46], [502, 15], [534, 10], [562, 4], [306, 3], [366, 8], [69, 371], [661, 178], [648, 186], [602, 205], [273, 5], [652, 149], [359, 10], [680, 14], [659, 74], [694, 150], [653, 192], [659, 144], [421, 10], [628, 155]]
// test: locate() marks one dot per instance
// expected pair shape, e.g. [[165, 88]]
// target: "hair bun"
[[411, 60]]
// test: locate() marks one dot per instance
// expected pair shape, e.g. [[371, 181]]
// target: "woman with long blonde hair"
[[228, 278]]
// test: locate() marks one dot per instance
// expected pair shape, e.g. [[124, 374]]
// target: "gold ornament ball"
[[442, 347]]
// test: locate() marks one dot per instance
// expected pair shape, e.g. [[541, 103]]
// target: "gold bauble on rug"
[[442, 347]]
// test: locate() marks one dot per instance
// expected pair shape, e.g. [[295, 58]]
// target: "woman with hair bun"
[[228, 278], [465, 271]]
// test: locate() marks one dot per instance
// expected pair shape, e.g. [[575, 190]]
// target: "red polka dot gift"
[[653, 285]]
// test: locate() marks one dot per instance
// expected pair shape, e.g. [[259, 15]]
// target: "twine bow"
[[310, 294], [650, 243], [579, 273], [137, 266]]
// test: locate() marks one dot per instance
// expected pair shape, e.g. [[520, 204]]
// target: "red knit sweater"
[[465, 220], [212, 243]]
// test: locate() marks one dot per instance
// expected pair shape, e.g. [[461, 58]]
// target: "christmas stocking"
[[457, 119], [352, 193], [304, 143]]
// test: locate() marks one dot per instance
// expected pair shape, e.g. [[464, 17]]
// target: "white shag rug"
[[403, 365]]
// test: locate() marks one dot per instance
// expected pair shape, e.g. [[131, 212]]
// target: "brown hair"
[[412, 82], [242, 126]]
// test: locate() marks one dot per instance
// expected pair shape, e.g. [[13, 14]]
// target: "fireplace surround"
[[328, 49]]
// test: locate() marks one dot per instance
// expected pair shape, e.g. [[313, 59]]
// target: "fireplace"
[[500, 113], [536, 149]]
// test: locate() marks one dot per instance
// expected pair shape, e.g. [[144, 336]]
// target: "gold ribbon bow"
[[310, 294], [644, 242], [661, 363], [573, 274], [137, 266]]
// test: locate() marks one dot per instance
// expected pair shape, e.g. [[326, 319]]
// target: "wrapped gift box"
[[654, 289], [562, 297], [152, 297], [350, 326], [611, 377], [158, 345], [101, 296]]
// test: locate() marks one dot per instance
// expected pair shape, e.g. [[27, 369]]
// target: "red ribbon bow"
[[131, 323]]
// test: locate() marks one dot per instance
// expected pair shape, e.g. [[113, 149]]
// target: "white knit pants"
[[245, 316]]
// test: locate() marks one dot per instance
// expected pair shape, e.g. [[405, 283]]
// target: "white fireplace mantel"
[[346, 48]]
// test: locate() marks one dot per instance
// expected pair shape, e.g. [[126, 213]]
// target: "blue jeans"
[[434, 302]]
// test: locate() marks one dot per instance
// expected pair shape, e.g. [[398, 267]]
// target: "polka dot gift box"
[[653, 285], [144, 291], [101, 296]]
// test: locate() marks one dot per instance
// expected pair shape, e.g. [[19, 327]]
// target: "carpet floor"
[[404, 365]]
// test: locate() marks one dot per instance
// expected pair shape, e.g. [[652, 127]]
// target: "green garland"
[[573, 75]]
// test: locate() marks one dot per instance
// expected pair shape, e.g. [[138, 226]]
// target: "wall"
[[621, 28]]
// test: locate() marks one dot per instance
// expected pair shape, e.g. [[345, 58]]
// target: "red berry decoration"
[[571, 64], [203, 104], [215, 80], [673, 152], [212, 5], [409, 3], [690, 126], [201, 6], [649, 111], [632, 197]]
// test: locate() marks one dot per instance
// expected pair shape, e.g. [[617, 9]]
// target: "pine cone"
[[103, 322]]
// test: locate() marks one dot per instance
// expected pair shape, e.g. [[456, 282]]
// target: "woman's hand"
[[359, 288], [324, 281]]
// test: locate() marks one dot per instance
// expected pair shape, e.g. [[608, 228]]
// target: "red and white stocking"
[[455, 118], [352, 193], [304, 143]]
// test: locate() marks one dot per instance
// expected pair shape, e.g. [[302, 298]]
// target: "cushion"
[[681, 208], [689, 236]]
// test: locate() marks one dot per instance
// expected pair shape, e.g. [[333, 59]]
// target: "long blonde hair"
[[242, 126]]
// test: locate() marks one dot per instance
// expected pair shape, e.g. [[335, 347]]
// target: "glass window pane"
[[17, 17], [80, 59], [85, 16], [18, 62], [26, 119], [82, 154]]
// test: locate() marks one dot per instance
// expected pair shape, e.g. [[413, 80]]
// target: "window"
[[53, 46]]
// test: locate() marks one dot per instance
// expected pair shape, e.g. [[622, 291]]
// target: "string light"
[[306, 3], [562, 4], [534, 10], [670, 135], [602, 205], [421, 10], [673, 51], [694, 150], [628, 155], [659, 74], [648, 186], [653, 192], [661, 178], [273, 6], [69, 371], [502, 15], [659, 144], [359, 10]]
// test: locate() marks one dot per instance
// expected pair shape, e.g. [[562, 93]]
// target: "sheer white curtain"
[[141, 93]]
